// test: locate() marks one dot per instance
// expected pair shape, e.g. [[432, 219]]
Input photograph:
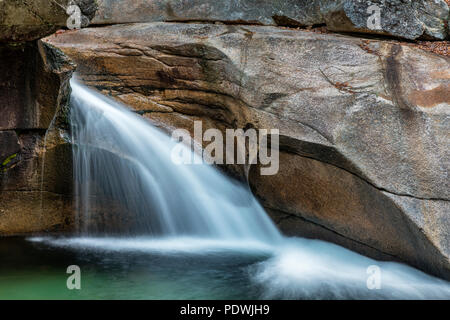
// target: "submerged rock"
[[404, 19], [363, 123]]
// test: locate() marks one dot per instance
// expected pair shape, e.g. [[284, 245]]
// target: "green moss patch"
[[7, 161]]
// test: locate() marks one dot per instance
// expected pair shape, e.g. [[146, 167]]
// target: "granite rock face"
[[35, 156], [35, 153], [363, 124], [267, 12], [408, 19], [404, 19], [33, 19]]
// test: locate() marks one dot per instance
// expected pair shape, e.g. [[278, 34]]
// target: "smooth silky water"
[[150, 229]]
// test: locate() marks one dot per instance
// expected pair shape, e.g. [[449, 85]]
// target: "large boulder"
[[267, 12], [33, 19], [363, 124], [409, 19], [35, 153]]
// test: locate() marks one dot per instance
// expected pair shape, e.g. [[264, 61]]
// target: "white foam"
[[157, 245], [318, 270], [296, 268]]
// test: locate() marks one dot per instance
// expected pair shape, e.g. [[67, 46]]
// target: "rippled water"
[[37, 270], [194, 268]]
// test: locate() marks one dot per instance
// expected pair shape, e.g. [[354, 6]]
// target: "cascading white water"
[[195, 209], [120, 156]]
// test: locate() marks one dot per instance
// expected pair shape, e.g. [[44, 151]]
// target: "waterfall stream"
[[118, 155], [124, 177]]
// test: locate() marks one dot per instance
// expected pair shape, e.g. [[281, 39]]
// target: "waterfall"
[[122, 160], [132, 197]]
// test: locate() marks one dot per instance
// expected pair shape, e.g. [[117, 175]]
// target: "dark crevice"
[[69, 195], [38, 131], [206, 21]]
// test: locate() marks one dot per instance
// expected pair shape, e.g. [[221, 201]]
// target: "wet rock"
[[24, 212], [35, 155], [9, 148], [33, 84]]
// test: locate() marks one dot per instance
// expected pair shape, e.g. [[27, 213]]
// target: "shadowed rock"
[[35, 156]]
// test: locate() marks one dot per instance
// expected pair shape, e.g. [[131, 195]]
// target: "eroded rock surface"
[[409, 19], [364, 125]]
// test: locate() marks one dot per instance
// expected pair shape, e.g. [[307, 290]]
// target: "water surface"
[[195, 268]]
